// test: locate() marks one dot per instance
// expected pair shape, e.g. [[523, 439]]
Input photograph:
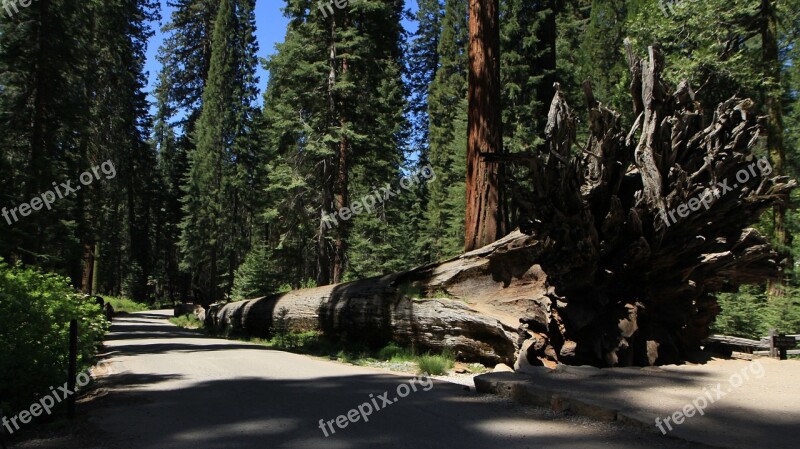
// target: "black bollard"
[[73, 366]]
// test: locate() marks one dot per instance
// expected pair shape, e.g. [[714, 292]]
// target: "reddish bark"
[[484, 217]]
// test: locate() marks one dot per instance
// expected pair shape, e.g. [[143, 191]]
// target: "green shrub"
[[35, 311], [124, 304], [187, 321], [394, 353], [282, 335], [435, 364], [751, 313]]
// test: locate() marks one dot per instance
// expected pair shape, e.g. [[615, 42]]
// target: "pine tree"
[[423, 61], [522, 73], [602, 58], [447, 107], [41, 101], [217, 225], [185, 57], [334, 126]]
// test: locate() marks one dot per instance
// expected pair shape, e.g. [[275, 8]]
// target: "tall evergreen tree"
[[185, 58], [423, 61], [334, 127], [42, 101], [447, 107], [602, 58], [217, 225]]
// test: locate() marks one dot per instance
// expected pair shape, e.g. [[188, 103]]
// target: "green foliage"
[[256, 276], [322, 112], [395, 353], [60, 119], [282, 335], [121, 304], [187, 321], [435, 364], [447, 106], [218, 192], [751, 313], [35, 311]]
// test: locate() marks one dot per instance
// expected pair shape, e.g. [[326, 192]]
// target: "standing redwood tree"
[[485, 222]]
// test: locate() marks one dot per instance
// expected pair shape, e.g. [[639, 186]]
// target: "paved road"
[[172, 388]]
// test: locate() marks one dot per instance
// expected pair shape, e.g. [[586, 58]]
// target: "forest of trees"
[[217, 197]]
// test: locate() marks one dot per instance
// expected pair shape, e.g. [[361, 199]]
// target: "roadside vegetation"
[[35, 310], [392, 356], [751, 312], [125, 305], [187, 322]]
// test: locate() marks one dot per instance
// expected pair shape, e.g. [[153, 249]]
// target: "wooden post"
[[782, 352], [2, 431], [73, 367], [773, 351], [95, 268]]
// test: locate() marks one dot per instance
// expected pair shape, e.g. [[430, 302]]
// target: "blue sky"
[[270, 30]]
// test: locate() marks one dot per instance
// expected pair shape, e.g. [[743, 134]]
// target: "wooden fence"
[[774, 345]]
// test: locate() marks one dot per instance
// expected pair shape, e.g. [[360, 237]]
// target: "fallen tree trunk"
[[470, 305], [375, 312], [621, 251]]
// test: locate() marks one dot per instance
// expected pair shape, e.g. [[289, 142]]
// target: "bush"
[[751, 313], [394, 353], [125, 305], [187, 321], [35, 311], [435, 364]]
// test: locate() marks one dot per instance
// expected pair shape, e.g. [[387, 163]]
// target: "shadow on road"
[[227, 394]]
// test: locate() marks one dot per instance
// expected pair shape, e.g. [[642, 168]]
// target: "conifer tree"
[[447, 106], [217, 224]]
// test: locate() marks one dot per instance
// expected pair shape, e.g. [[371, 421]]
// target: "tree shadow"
[[257, 412]]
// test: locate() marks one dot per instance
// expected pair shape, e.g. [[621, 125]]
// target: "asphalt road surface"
[[170, 388]]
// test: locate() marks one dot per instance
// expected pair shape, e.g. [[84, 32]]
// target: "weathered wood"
[[631, 253], [375, 312], [737, 341], [788, 352]]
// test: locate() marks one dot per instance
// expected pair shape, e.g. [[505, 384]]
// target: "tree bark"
[[484, 213], [772, 66], [421, 308], [342, 189]]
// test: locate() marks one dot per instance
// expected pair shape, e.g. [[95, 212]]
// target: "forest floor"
[[168, 387]]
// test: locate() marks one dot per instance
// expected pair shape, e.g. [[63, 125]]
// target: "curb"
[[521, 389]]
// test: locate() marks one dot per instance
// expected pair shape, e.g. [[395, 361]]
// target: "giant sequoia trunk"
[[485, 220], [621, 248]]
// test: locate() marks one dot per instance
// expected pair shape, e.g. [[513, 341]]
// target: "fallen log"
[[375, 312], [620, 251]]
